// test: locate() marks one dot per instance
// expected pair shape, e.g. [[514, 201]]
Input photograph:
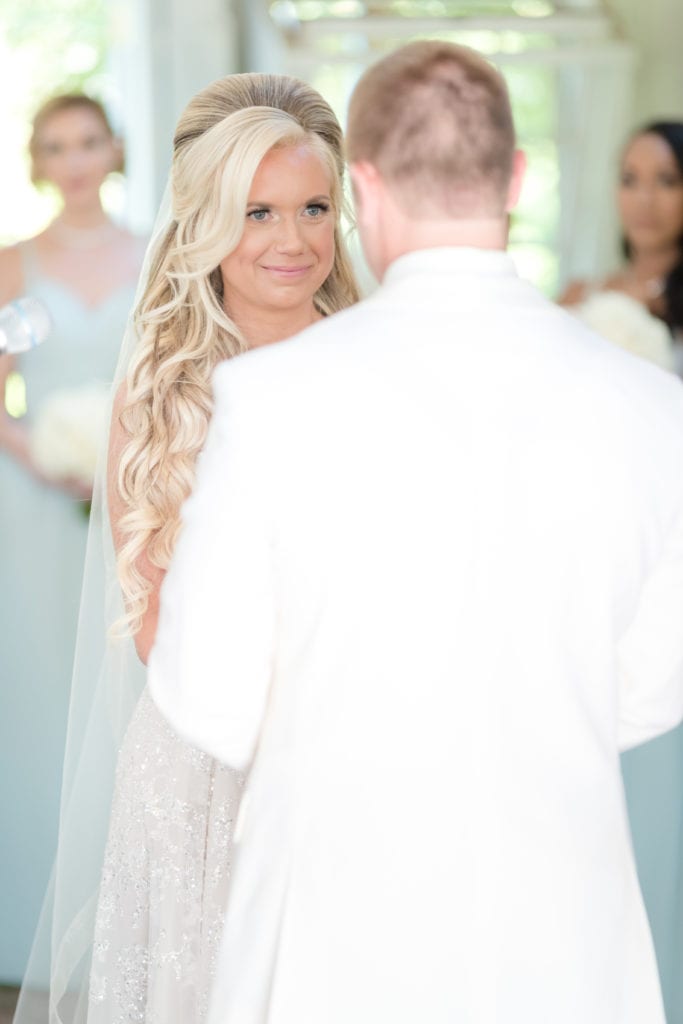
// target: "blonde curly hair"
[[183, 328]]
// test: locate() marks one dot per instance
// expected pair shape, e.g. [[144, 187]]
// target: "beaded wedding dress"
[[165, 878]]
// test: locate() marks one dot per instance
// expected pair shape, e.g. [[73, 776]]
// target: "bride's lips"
[[288, 273]]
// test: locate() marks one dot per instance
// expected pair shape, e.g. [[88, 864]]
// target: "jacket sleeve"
[[651, 651], [210, 667]]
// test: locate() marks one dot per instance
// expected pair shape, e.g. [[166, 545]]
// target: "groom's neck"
[[474, 233], [399, 239]]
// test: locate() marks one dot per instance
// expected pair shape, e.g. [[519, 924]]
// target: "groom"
[[430, 583]]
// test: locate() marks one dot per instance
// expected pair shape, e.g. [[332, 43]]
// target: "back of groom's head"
[[434, 119]]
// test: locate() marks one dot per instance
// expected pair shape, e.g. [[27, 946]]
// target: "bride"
[[250, 254]]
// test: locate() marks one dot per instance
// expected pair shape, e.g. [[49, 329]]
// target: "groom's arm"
[[651, 652], [210, 667]]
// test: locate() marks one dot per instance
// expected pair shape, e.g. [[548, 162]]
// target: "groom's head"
[[431, 144]]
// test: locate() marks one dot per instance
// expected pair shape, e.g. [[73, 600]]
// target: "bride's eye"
[[317, 209], [258, 215]]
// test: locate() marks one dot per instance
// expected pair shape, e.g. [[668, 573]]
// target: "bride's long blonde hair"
[[182, 326]]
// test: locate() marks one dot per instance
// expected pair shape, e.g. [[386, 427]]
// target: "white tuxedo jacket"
[[429, 584]]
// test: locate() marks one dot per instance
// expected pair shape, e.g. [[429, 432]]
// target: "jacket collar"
[[450, 260]]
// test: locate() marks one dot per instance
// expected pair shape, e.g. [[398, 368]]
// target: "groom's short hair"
[[435, 120]]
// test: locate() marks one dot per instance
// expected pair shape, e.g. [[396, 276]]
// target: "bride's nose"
[[289, 236]]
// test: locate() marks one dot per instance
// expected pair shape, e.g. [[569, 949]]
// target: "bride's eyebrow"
[[266, 204]]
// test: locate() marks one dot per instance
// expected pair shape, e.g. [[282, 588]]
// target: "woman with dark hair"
[[653, 228], [650, 203]]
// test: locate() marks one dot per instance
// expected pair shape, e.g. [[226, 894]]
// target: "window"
[[46, 46], [566, 71]]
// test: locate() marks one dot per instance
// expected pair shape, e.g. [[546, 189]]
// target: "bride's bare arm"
[[144, 638]]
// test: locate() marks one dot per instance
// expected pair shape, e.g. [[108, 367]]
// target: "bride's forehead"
[[289, 169]]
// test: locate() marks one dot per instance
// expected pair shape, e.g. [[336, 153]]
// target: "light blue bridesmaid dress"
[[42, 547], [653, 777]]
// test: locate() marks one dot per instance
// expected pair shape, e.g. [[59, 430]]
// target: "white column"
[[593, 117], [163, 52], [264, 47]]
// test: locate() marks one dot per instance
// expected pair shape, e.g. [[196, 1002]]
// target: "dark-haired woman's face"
[[651, 194], [75, 152]]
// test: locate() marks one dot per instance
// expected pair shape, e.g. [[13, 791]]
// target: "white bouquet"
[[626, 322], [68, 432]]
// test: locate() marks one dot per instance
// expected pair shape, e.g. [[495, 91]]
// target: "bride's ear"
[[516, 179]]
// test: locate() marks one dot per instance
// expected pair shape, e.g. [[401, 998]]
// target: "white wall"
[[655, 27]]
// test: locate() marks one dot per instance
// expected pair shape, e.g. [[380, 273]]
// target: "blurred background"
[[582, 73]]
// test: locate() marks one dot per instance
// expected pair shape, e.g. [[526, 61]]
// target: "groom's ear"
[[516, 179], [367, 186]]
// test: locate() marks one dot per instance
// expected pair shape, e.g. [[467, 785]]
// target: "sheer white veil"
[[108, 677], [107, 681]]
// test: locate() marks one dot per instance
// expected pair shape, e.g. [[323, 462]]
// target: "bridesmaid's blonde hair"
[[183, 329]]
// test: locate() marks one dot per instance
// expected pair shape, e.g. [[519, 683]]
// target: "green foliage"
[[308, 10], [15, 395], [46, 47], [64, 41]]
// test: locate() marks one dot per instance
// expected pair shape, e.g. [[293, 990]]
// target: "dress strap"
[[30, 269]]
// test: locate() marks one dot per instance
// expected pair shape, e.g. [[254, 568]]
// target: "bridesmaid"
[[649, 198], [83, 267]]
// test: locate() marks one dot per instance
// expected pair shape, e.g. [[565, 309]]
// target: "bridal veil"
[[108, 679]]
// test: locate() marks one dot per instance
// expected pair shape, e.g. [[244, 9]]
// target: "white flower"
[[68, 432], [626, 322]]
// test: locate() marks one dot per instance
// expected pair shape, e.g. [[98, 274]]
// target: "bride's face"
[[287, 249], [651, 194]]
